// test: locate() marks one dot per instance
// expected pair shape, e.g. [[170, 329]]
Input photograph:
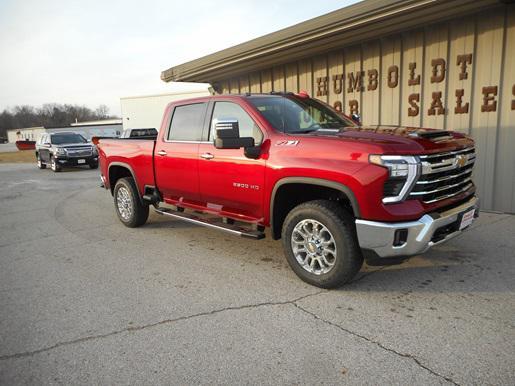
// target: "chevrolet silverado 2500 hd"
[[333, 191]]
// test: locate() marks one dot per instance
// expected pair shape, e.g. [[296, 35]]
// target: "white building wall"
[[29, 134], [88, 131], [144, 112]]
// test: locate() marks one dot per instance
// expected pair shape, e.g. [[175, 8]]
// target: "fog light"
[[400, 237]]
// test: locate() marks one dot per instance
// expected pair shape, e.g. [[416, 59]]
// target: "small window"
[[187, 122], [230, 110], [136, 133]]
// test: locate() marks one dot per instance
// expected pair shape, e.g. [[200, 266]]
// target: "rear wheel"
[[320, 243], [41, 165], [54, 165], [129, 208]]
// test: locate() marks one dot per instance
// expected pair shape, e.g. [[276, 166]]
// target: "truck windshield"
[[63, 139], [291, 114]]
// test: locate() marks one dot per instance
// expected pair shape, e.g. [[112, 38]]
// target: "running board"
[[215, 223]]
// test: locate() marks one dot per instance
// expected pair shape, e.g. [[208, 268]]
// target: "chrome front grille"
[[444, 175], [79, 151]]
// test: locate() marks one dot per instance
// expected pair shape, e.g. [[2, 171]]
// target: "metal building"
[[88, 129], [440, 64]]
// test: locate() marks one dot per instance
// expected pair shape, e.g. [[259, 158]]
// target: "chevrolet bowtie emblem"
[[461, 160]]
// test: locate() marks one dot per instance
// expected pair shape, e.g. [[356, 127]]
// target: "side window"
[[187, 122], [226, 110]]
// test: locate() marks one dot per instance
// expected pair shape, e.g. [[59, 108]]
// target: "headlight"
[[94, 150], [60, 151], [402, 170]]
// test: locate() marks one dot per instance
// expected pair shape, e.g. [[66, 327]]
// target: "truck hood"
[[400, 139]]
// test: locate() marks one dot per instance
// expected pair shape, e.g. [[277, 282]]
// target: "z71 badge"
[[287, 143]]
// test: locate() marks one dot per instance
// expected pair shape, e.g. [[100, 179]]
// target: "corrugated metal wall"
[[458, 75]]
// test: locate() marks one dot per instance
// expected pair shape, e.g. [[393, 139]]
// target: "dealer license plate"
[[81, 161], [467, 218]]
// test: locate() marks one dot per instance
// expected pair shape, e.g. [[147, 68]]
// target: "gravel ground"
[[85, 300]]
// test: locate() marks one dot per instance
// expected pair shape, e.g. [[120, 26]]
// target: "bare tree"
[[102, 111], [48, 115]]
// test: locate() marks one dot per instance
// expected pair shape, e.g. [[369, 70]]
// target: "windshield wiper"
[[302, 131]]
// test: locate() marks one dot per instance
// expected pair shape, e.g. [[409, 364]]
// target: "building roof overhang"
[[355, 24]]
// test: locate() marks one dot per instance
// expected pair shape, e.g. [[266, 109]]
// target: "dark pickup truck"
[[335, 192]]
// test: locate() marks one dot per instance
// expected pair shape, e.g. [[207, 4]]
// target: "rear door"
[[176, 154], [44, 148]]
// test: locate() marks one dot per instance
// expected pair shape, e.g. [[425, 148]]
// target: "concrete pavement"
[[85, 300]]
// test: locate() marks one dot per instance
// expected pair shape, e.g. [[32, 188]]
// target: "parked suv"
[[333, 191], [65, 149]]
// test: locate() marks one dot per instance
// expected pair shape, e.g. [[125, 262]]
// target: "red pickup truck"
[[335, 192]]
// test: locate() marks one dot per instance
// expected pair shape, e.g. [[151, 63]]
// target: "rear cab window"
[[187, 122], [136, 133]]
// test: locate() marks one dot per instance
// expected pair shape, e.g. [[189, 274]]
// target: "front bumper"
[[377, 239], [74, 161]]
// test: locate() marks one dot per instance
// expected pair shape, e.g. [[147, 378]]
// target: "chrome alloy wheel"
[[313, 246], [124, 203]]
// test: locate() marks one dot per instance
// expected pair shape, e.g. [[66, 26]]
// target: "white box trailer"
[[146, 112]]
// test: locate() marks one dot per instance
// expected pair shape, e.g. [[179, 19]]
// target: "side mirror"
[[356, 118], [228, 135]]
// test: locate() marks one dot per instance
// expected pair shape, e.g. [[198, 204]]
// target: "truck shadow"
[[455, 267], [162, 222], [438, 271]]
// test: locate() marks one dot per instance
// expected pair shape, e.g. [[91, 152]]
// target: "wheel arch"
[[117, 170], [317, 186]]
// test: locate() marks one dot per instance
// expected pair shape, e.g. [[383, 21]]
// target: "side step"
[[216, 223]]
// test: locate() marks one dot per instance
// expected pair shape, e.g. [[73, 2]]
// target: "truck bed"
[[134, 153]]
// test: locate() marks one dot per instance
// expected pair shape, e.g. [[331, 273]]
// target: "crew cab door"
[[231, 183], [176, 154]]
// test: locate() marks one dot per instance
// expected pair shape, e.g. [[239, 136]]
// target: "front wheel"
[[93, 165], [320, 243], [41, 165], [54, 165], [129, 208]]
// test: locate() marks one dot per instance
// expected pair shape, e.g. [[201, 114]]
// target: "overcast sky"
[[94, 52]]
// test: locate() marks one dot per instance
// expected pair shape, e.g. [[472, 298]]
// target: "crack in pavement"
[[143, 327], [366, 274], [401, 354], [293, 302]]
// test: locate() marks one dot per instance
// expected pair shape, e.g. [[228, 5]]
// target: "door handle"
[[207, 156], [161, 153]]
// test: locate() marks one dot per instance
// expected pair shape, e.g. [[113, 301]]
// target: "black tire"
[[93, 165], [348, 258], [138, 211], [54, 165], [41, 164]]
